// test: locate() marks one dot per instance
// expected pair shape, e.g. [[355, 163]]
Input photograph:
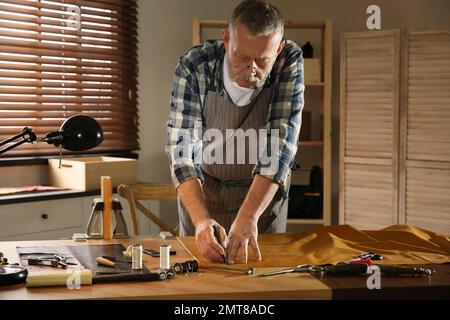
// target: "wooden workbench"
[[214, 284], [205, 284]]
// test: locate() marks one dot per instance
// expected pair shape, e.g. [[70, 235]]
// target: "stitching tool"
[[105, 262], [217, 236], [230, 268]]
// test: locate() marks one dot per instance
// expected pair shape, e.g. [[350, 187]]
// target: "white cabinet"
[[55, 219], [39, 219]]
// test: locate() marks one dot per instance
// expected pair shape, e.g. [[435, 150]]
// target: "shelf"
[[305, 221], [311, 143], [321, 88]]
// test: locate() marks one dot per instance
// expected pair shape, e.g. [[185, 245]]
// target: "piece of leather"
[[399, 244]]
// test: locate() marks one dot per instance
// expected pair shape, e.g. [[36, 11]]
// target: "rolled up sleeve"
[[184, 143], [284, 122]]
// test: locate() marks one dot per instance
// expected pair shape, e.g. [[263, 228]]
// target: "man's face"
[[250, 58]]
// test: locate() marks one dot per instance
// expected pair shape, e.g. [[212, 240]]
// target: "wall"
[[166, 32]]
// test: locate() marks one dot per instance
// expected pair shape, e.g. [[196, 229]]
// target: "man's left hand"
[[243, 232]]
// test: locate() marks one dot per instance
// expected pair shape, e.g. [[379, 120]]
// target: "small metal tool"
[[217, 236], [299, 268], [155, 253], [370, 255], [56, 261], [230, 268], [114, 259], [405, 270]]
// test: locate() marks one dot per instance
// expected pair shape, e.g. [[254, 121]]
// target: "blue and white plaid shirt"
[[190, 85]]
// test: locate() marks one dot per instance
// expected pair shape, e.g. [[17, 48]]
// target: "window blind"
[[60, 58]]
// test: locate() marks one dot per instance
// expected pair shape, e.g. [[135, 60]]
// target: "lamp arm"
[[27, 135]]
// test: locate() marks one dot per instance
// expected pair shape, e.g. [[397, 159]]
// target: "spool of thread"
[[136, 256], [186, 267], [164, 257]]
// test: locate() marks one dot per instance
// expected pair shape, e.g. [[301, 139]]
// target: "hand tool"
[[370, 255], [230, 268], [105, 262], [155, 253], [56, 261], [186, 267], [405, 270], [367, 261], [217, 236], [299, 268], [114, 259], [341, 268], [346, 269]]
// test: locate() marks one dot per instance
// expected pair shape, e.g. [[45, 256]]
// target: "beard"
[[253, 79]]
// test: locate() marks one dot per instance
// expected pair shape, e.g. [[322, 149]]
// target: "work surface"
[[214, 284]]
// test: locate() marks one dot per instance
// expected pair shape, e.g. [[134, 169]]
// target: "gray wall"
[[165, 32]]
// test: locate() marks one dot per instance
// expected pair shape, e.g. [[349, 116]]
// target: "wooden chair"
[[147, 191]]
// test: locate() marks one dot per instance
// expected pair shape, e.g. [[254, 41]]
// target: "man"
[[251, 80]]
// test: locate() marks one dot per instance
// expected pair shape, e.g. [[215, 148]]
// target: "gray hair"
[[259, 17]]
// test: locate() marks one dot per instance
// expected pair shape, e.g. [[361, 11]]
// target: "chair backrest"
[[134, 193]]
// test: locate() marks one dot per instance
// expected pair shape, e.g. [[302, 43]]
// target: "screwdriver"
[[217, 236]]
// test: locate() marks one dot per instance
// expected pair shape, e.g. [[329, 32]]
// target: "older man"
[[252, 79]]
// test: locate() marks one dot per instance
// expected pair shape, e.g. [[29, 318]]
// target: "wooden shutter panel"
[[426, 190], [428, 136], [51, 70], [369, 128]]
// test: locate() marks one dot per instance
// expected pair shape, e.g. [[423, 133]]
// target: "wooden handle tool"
[[105, 262], [107, 207]]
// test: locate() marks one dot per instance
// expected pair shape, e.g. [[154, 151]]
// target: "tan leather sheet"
[[399, 244]]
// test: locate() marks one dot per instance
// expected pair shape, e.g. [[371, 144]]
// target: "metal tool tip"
[[251, 271]]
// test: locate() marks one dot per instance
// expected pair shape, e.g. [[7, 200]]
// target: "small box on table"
[[85, 173]]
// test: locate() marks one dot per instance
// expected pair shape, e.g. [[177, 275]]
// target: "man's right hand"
[[206, 242]]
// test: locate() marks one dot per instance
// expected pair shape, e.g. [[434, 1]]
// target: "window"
[[65, 57]]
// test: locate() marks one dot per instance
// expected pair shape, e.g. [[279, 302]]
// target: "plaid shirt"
[[190, 85]]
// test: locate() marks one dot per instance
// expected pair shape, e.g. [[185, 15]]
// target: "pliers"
[[54, 262]]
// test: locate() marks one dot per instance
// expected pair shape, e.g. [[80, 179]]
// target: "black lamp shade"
[[81, 133]]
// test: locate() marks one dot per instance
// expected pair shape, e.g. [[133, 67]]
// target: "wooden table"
[[206, 284], [214, 284]]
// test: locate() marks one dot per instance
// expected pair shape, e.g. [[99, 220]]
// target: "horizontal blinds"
[[60, 58]]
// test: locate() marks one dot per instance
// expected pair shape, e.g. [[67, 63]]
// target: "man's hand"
[[243, 232], [206, 242]]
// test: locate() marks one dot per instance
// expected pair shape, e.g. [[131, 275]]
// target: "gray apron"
[[226, 185]]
